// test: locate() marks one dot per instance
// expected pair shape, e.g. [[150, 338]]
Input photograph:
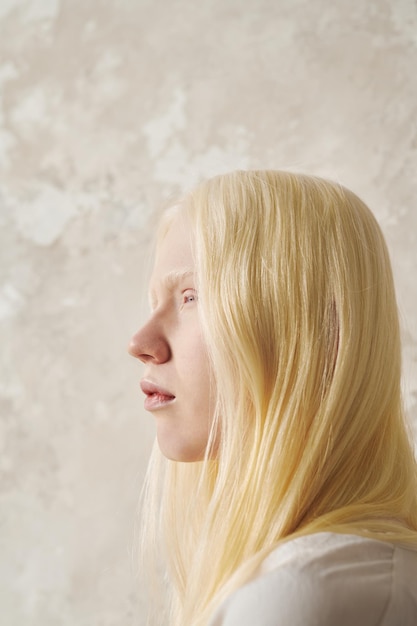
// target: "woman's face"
[[176, 379]]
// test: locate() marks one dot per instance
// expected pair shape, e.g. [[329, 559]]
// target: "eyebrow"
[[171, 280], [174, 277]]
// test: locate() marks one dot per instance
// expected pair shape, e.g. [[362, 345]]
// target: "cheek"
[[198, 357], [190, 344], [195, 362]]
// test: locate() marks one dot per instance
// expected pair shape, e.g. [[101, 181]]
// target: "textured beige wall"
[[107, 108]]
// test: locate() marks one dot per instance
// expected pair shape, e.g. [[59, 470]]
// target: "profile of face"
[[176, 381]]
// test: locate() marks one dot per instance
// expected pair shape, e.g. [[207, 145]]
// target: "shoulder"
[[318, 580]]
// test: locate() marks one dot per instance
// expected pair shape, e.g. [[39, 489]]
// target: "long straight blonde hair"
[[298, 307]]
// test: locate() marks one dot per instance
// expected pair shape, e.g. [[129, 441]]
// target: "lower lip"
[[157, 401]]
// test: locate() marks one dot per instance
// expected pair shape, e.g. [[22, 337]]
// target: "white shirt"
[[327, 579]]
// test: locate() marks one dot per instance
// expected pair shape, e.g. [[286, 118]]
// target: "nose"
[[149, 344]]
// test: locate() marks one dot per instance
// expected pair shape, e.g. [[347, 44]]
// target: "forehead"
[[174, 253]]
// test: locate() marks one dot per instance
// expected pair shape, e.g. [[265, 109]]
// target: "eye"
[[189, 296]]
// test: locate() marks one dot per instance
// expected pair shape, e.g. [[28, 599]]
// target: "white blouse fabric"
[[327, 579]]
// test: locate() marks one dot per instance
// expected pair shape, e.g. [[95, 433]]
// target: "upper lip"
[[149, 387]]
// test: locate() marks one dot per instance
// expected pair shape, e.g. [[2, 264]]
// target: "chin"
[[180, 452]]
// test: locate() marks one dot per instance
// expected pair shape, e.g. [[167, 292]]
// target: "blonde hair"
[[298, 307]]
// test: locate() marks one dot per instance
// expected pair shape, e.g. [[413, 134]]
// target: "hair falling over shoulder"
[[298, 308]]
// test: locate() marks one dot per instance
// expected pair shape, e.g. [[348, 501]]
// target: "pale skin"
[[176, 379]]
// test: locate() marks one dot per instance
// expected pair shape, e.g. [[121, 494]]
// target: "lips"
[[156, 397]]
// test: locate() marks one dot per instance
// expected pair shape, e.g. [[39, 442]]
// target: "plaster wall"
[[107, 108]]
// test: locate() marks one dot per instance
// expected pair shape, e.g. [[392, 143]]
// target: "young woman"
[[286, 492]]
